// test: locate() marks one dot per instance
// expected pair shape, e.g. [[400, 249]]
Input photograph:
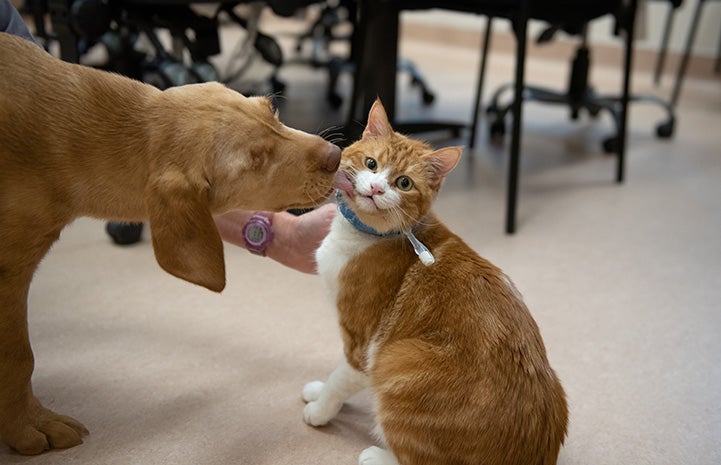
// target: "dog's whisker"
[[327, 134], [334, 134], [328, 129], [314, 192], [337, 134], [325, 131], [276, 95]]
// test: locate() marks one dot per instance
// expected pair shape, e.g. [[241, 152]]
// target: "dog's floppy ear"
[[185, 239]]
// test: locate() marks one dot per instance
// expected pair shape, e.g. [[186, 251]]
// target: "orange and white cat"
[[456, 362]]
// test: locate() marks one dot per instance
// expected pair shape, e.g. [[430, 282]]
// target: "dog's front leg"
[[25, 425]]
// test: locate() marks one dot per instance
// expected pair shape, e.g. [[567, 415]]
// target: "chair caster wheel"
[[611, 145], [665, 130], [124, 233], [155, 79], [334, 99], [428, 97], [277, 85], [594, 111], [497, 131], [176, 74], [204, 72]]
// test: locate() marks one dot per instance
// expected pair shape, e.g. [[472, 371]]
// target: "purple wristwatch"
[[258, 233]]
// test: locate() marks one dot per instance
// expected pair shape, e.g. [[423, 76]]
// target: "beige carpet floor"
[[624, 281]]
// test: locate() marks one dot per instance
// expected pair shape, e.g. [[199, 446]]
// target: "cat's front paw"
[[312, 390], [318, 413], [377, 456]]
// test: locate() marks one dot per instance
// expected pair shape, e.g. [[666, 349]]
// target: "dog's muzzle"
[[332, 159]]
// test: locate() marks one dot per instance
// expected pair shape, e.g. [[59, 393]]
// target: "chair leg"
[[358, 38], [661, 60], [380, 26], [630, 21], [66, 36], [687, 53], [481, 79], [520, 26], [717, 65]]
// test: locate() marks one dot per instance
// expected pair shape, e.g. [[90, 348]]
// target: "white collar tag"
[[421, 250]]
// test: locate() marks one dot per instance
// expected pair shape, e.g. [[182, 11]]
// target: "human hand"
[[296, 238]]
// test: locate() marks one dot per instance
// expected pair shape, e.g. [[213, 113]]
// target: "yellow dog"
[[76, 141]]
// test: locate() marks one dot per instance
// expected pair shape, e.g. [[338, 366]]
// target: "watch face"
[[258, 234], [255, 234]]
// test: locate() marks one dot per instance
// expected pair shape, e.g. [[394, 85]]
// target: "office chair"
[[334, 21], [572, 17], [78, 25], [379, 21], [578, 96]]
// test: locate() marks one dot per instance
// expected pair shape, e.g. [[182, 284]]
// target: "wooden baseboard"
[[560, 49]]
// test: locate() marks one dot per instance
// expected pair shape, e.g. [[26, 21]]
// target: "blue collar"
[[421, 250], [353, 219]]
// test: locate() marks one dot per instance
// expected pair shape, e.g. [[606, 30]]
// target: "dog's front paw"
[[45, 430], [312, 390], [377, 456], [318, 413]]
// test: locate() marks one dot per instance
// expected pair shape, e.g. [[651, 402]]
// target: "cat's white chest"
[[342, 243]]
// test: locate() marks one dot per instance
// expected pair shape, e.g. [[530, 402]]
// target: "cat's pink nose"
[[376, 190], [332, 158]]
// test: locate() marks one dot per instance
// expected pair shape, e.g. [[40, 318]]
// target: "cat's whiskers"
[[396, 212], [413, 219]]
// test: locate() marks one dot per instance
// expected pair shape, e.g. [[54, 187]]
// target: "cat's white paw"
[[319, 413], [377, 456], [311, 391]]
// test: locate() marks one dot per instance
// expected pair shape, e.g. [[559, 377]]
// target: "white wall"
[[650, 25]]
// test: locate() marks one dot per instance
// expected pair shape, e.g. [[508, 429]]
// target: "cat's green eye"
[[371, 164], [404, 183]]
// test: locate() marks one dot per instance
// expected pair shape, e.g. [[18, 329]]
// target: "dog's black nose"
[[332, 159]]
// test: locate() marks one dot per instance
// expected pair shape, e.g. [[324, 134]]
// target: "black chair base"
[[124, 233], [591, 102], [318, 39]]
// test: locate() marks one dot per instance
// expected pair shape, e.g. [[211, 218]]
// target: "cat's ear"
[[378, 124], [444, 160]]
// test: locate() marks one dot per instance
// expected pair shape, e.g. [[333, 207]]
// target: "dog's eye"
[[371, 164], [404, 183]]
